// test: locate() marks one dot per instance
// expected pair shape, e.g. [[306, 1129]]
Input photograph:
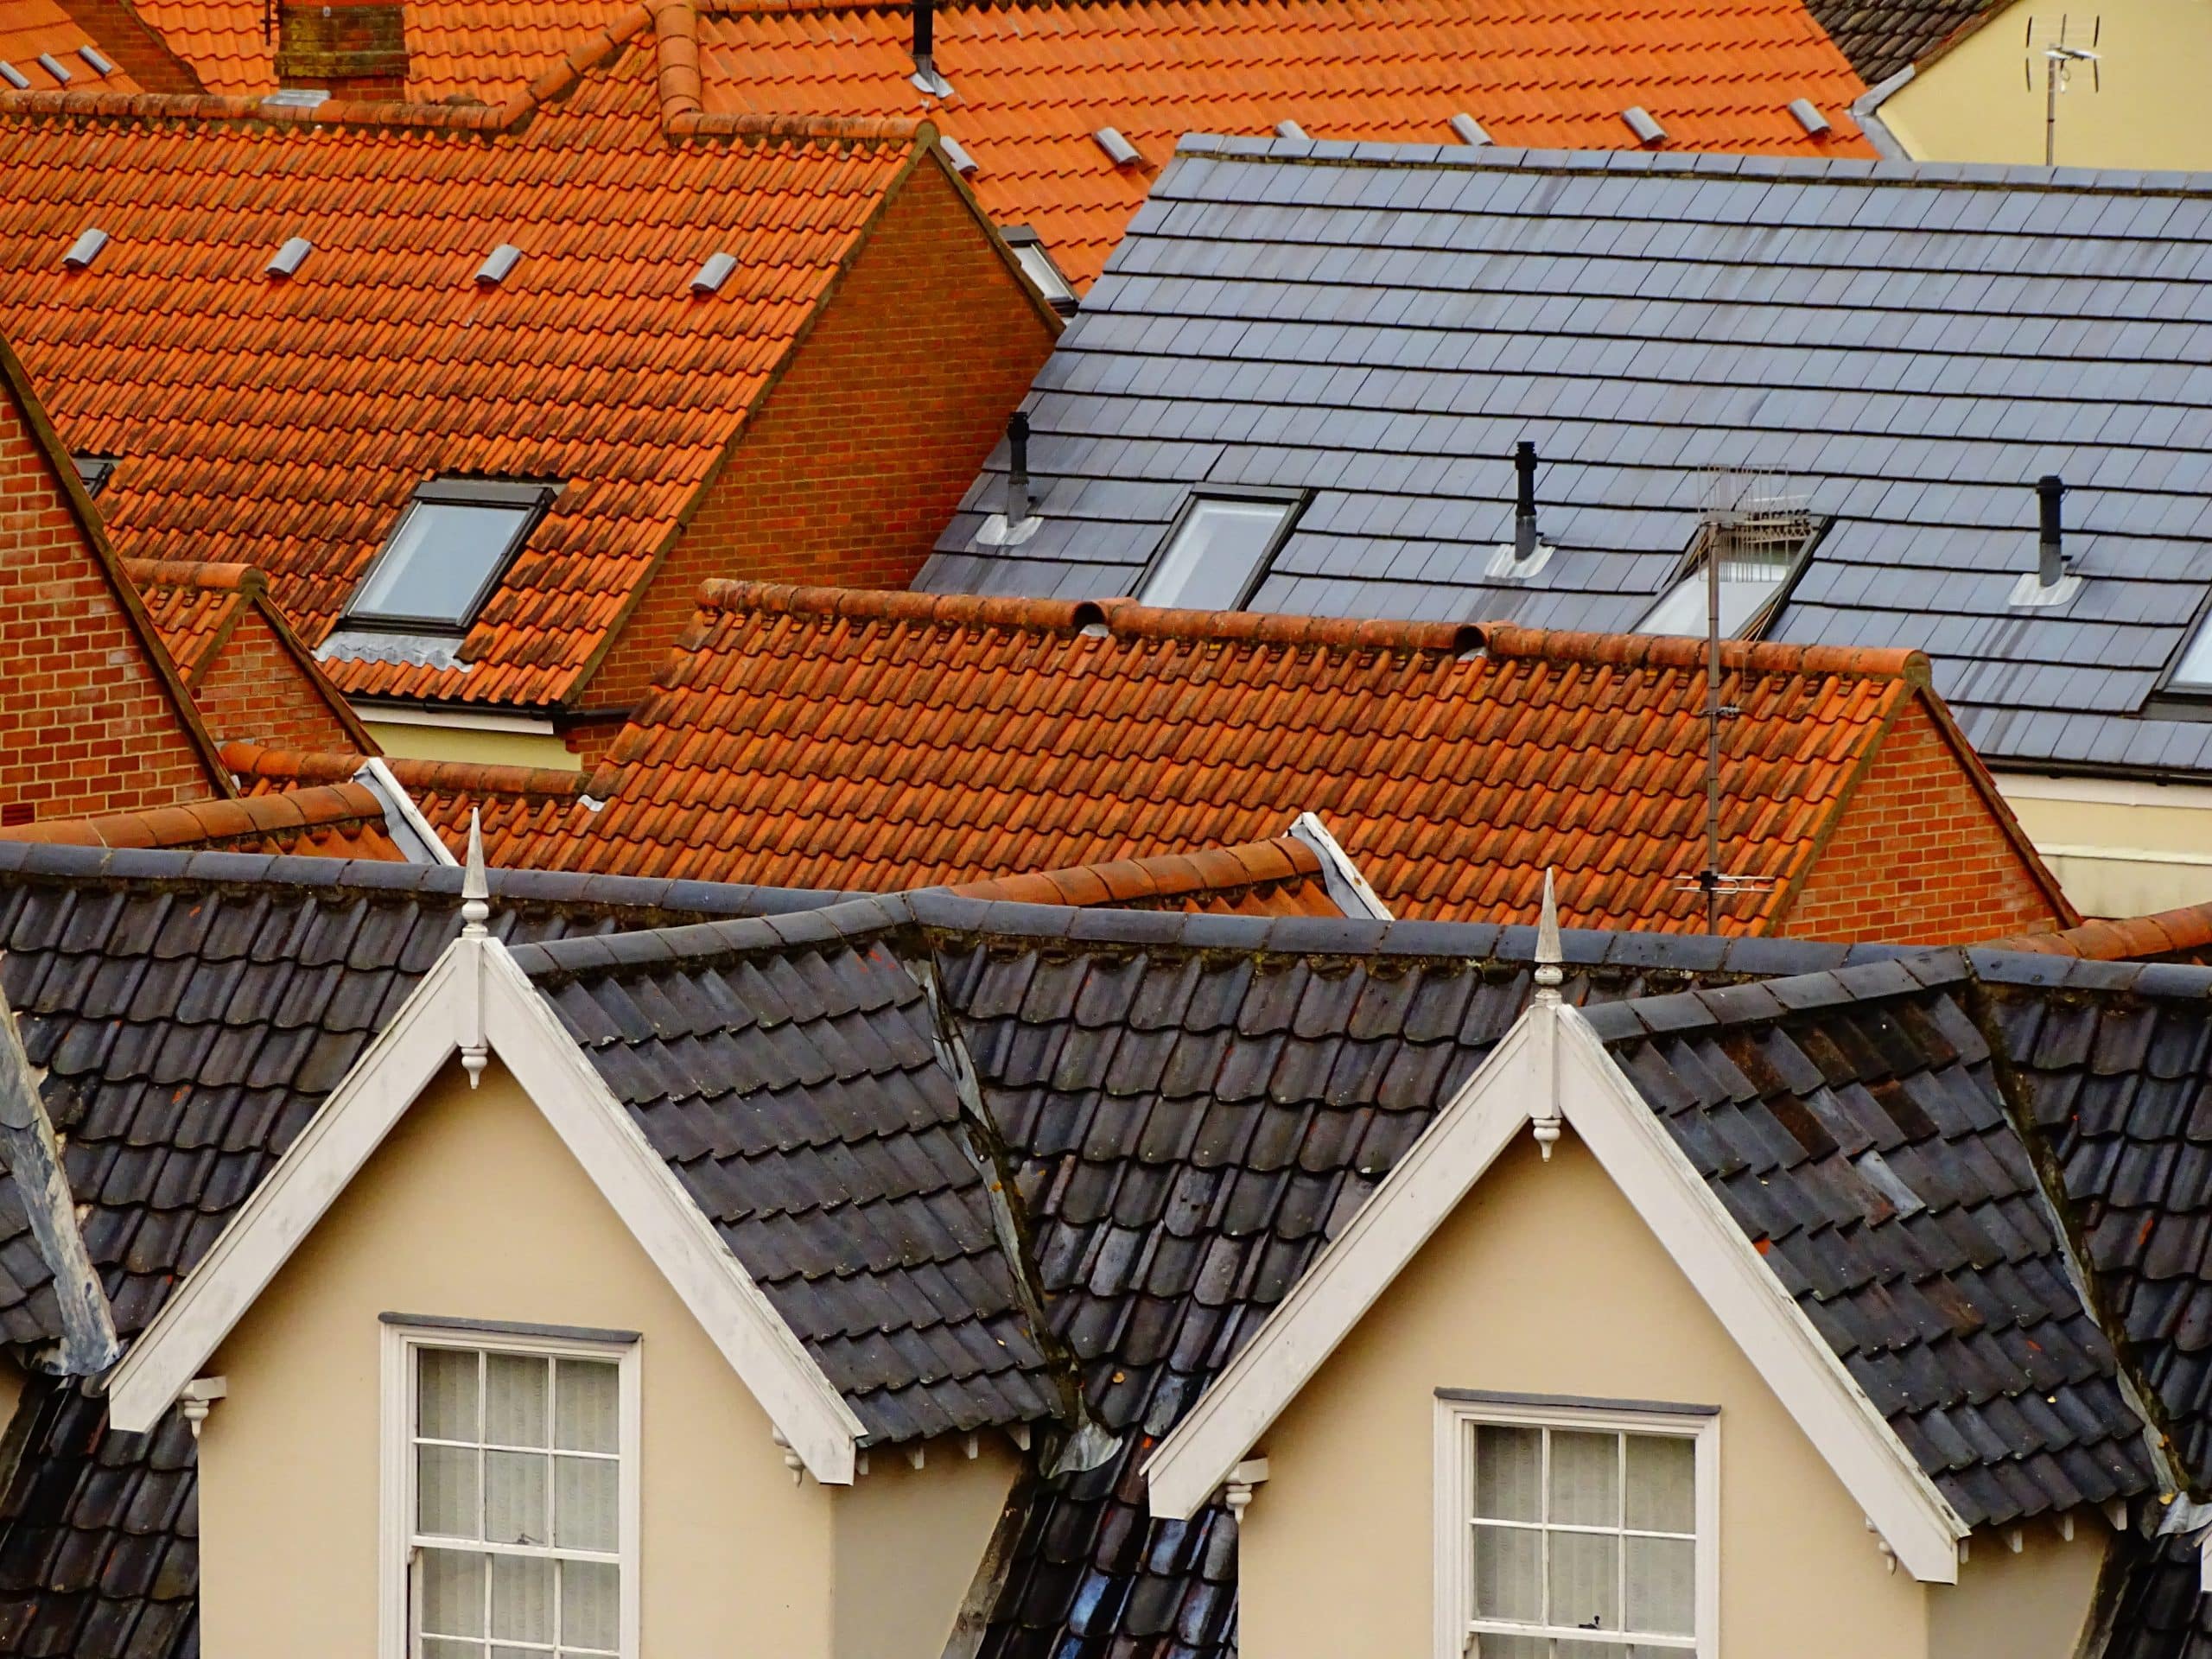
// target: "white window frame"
[[401, 1338], [1458, 1413]]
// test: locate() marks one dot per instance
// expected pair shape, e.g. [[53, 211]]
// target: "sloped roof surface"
[[288, 421], [342, 821], [1906, 349], [1883, 36], [1033, 80], [794, 1091], [33, 29], [822, 738]]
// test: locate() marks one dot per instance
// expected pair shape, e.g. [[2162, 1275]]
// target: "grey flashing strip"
[[1656, 1408], [14, 77], [99, 61], [508, 1328], [1863, 112], [1469, 130]]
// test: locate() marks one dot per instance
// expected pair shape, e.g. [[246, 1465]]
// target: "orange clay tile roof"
[[337, 821], [2179, 935], [29, 27], [1033, 79], [288, 422], [826, 738], [524, 808], [1281, 877]]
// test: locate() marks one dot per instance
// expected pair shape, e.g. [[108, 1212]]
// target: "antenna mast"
[[2058, 60]]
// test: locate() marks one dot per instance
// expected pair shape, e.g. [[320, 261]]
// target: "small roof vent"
[[497, 265], [1469, 130], [1810, 116], [1289, 129], [1118, 149], [956, 153], [14, 77], [53, 67], [86, 249], [298, 98], [1640, 121], [288, 260], [96, 60], [710, 276]]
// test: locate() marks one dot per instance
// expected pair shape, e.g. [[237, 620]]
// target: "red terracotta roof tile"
[[1281, 877], [30, 28], [287, 421], [338, 821], [825, 738], [1032, 80], [2180, 935]]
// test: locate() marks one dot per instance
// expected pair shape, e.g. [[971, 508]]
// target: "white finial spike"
[[475, 885], [1547, 952]]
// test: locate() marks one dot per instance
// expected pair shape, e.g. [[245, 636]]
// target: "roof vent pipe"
[[2051, 565], [1524, 500], [1017, 468], [926, 74]]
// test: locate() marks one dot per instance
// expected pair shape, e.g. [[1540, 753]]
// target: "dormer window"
[[1219, 548], [1758, 550], [446, 554]]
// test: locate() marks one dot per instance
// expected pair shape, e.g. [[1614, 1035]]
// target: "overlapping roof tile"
[[818, 737], [332, 820], [1280, 877], [287, 421]]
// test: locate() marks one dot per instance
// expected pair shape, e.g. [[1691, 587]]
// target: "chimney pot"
[[1524, 500], [1017, 468]]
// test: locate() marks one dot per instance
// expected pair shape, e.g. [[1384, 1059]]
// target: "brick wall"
[[863, 451], [1919, 856], [258, 693], [85, 726]]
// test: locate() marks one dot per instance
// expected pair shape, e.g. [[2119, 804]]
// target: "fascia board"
[[768, 1356], [1764, 1321], [1335, 1293]]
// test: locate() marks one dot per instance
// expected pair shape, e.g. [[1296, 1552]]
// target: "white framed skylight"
[[2193, 673], [1759, 556], [1037, 265], [1219, 549], [449, 548]]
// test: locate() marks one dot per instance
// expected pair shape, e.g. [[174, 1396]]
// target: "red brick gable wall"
[[256, 692], [1918, 839], [859, 455], [86, 725]]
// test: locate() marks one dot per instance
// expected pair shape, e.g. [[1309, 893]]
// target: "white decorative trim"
[[1339, 876], [1634, 1148], [450, 718], [381, 782], [524, 1032]]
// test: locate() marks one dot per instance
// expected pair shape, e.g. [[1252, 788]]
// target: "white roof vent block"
[[86, 249], [1118, 149], [288, 260], [53, 67], [956, 153], [710, 276], [96, 60], [1289, 129], [497, 263], [298, 98], [14, 77], [1647, 131], [1468, 130], [1810, 116]]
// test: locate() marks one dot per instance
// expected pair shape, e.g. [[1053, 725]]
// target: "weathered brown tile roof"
[[1281, 877], [2183, 934], [332, 820]]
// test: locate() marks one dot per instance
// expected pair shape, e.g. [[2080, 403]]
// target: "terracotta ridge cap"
[[1687, 651], [487, 777], [275, 765], [215, 574], [895, 605], [1229, 869], [319, 807], [2186, 927], [213, 106]]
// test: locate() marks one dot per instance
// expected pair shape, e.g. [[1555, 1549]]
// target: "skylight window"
[[1218, 550], [1759, 550], [448, 550], [94, 471], [1037, 265], [2194, 672]]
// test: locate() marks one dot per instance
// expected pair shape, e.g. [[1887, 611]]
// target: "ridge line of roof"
[[273, 764], [847, 921], [317, 806], [1217, 870], [1751, 655], [1772, 169], [216, 575]]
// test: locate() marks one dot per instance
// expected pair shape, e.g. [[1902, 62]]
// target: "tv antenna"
[[2060, 56]]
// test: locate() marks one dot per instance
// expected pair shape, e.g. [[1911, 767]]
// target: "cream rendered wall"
[[909, 1542], [2030, 1605], [474, 1209], [1545, 1282], [412, 741], [1973, 103], [2119, 848]]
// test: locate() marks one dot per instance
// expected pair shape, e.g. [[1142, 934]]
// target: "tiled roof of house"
[[817, 737], [2180, 935], [1033, 79], [331, 821], [1280, 877], [288, 420], [1900, 351], [1883, 36], [100, 45]]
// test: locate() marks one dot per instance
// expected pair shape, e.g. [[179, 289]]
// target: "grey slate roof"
[[1911, 346]]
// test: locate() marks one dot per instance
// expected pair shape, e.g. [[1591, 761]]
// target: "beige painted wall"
[[413, 742], [1546, 1281], [474, 1209], [2119, 848], [1973, 104], [2030, 1605], [908, 1544]]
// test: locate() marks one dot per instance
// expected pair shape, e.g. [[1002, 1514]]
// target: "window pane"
[[591, 1604], [1510, 1647], [1509, 1473], [445, 1394], [1586, 1479], [2196, 667], [1584, 1579], [440, 555], [585, 1418], [1214, 554], [445, 1491], [584, 1502], [514, 1497], [522, 1597], [1662, 1483], [433, 1648], [514, 1399], [1508, 1573], [451, 1584], [1662, 1585], [1744, 589]]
